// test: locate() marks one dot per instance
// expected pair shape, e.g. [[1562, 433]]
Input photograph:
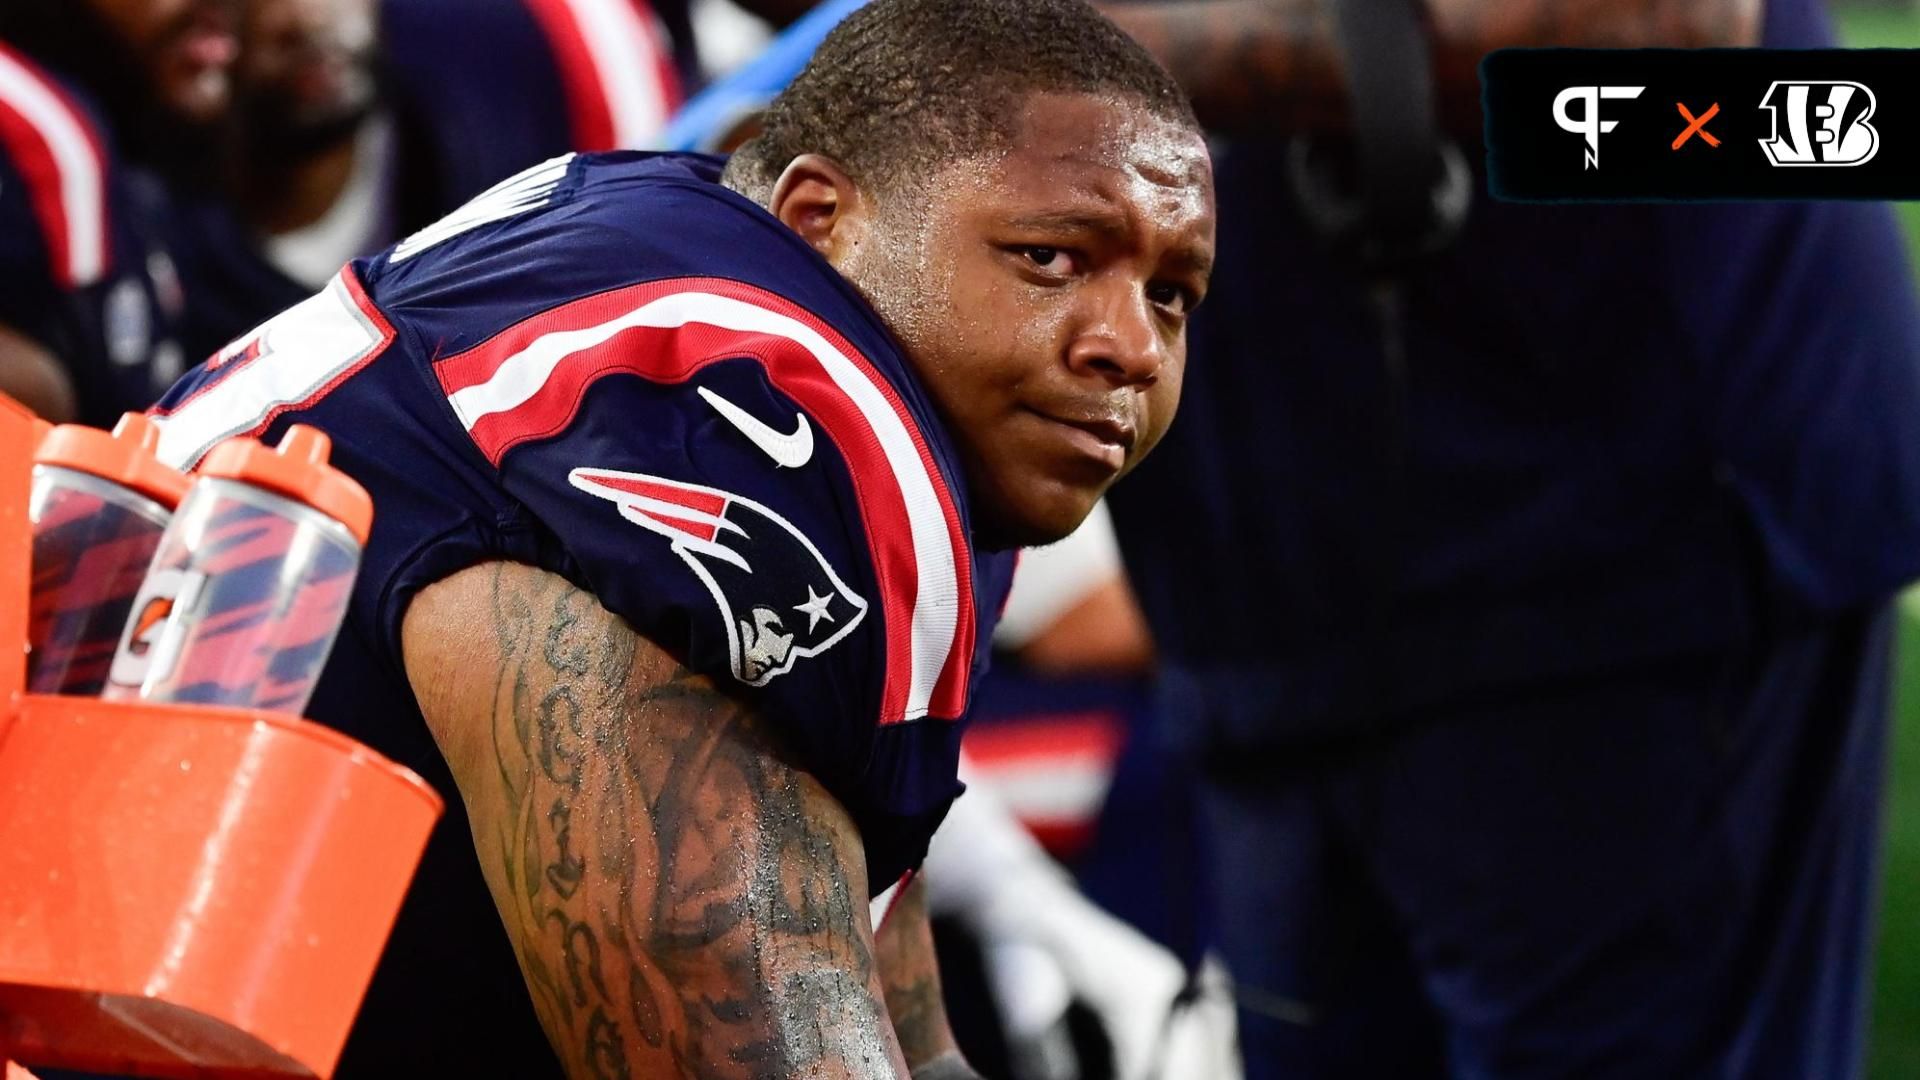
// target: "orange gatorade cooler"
[[98, 505], [251, 580]]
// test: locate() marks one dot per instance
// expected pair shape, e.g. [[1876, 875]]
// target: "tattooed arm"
[[905, 950], [1273, 63], [682, 899]]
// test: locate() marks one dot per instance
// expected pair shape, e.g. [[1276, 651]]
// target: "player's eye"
[[1053, 261], [1175, 298]]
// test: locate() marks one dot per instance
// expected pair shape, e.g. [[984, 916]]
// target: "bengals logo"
[[1820, 123]]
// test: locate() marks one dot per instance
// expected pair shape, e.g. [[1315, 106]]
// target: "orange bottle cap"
[[125, 457], [298, 469]]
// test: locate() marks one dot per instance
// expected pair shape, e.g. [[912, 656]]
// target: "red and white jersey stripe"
[[528, 383], [620, 82], [58, 152]]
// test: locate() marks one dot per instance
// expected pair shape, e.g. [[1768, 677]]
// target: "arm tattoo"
[[682, 901], [1273, 66], [911, 975]]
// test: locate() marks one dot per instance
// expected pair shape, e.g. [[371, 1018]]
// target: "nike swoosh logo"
[[791, 451]]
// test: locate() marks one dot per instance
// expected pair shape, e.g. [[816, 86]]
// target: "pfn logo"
[[1588, 124], [1825, 124]]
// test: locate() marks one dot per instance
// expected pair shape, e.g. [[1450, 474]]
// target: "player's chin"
[[1039, 510], [196, 95]]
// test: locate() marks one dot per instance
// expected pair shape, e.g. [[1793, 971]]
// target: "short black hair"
[[902, 87]]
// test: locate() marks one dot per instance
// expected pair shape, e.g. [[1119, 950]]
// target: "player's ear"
[[817, 199]]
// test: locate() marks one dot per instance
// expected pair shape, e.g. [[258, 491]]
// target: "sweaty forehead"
[[1073, 162], [1110, 164], [1061, 134]]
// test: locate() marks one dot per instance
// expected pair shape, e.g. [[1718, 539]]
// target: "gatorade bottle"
[[251, 581], [99, 504]]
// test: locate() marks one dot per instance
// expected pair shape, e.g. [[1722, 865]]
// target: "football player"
[[696, 497]]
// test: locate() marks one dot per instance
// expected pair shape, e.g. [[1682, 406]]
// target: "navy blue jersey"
[[84, 269], [614, 368], [1606, 409]]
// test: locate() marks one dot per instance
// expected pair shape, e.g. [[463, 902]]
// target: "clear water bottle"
[[99, 505], [251, 581]]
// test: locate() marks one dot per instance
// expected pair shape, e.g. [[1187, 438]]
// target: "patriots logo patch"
[[779, 598]]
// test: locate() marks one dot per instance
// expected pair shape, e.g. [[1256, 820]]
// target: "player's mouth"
[[207, 37], [200, 52], [1104, 437]]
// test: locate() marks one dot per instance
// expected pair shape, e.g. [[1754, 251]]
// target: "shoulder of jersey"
[[634, 245], [532, 381], [54, 144], [659, 214]]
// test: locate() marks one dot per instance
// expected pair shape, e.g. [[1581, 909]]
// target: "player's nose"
[[1120, 341]]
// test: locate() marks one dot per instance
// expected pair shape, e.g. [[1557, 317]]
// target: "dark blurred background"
[[1896, 1010]]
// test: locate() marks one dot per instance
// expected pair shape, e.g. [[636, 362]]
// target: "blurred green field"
[[1895, 1048]]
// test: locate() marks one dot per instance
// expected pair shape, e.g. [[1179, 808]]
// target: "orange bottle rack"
[[184, 891]]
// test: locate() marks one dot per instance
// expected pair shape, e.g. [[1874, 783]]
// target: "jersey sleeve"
[[732, 476], [494, 86], [32, 300], [54, 184], [615, 66]]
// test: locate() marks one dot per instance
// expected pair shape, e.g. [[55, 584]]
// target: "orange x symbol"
[[1697, 125]]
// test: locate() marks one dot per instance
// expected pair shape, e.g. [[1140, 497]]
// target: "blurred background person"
[[1064, 886], [98, 100], [359, 122], [1527, 595]]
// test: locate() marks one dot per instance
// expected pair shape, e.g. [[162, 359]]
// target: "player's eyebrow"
[[1102, 222], [1192, 259]]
